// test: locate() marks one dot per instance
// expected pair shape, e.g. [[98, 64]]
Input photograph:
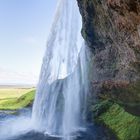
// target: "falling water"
[[60, 100]]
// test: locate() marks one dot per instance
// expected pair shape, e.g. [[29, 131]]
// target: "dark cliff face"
[[111, 29]]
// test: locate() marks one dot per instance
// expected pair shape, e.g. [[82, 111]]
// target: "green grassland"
[[124, 125], [13, 92], [16, 98]]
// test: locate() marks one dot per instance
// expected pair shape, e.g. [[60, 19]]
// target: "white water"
[[13, 127], [61, 94]]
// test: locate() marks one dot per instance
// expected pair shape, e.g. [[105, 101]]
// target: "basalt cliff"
[[111, 29]]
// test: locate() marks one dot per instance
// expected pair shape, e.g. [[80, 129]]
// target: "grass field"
[[16, 98], [13, 92]]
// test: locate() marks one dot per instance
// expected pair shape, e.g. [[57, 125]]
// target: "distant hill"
[[17, 86]]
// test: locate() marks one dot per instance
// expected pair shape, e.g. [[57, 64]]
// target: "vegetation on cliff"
[[125, 125]]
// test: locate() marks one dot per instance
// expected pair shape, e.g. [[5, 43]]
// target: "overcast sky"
[[24, 26]]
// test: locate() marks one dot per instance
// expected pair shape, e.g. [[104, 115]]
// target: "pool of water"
[[14, 125], [93, 132]]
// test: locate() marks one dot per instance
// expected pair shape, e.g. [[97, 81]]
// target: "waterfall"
[[60, 100]]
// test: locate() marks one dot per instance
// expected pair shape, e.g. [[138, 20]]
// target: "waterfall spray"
[[60, 100]]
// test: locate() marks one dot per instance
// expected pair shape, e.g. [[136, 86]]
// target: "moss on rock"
[[124, 93], [124, 125]]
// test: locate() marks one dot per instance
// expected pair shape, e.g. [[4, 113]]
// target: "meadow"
[[16, 98]]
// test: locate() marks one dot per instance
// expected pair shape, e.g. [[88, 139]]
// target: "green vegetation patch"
[[6, 93], [125, 125], [99, 108], [19, 102]]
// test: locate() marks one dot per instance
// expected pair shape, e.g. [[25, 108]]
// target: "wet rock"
[[111, 29]]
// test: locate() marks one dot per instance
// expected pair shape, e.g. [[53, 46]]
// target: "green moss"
[[125, 125], [124, 94], [100, 108], [18, 103]]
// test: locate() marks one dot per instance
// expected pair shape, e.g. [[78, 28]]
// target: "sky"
[[24, 27]]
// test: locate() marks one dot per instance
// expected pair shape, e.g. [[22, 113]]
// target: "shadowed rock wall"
[[111, 29]]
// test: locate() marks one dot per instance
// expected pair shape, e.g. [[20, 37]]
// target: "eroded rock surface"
[[111, 29]]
